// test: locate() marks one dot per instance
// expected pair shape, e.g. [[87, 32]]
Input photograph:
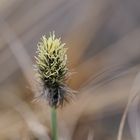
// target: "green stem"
[[54, 123]]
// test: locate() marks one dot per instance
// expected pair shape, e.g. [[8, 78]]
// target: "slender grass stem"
[[54, 123]]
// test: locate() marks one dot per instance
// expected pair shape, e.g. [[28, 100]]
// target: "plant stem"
[[54, 123]]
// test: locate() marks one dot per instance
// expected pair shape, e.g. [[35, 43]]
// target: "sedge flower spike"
[[51, 66]]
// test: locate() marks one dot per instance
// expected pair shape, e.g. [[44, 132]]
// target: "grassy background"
[[103, 37]]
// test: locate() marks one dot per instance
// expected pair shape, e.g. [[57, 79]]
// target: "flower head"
[[51, 63]]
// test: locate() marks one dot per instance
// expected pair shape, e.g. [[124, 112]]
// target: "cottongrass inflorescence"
[[51, 64]]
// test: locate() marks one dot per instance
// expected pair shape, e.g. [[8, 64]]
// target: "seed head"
[[51, 66]]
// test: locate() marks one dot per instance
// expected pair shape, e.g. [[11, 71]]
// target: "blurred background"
[[103, 37]]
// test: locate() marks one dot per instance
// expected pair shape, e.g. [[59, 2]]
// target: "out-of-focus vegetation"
[[103, 38]]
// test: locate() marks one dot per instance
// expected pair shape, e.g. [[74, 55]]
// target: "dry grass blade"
[[134, 92]]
